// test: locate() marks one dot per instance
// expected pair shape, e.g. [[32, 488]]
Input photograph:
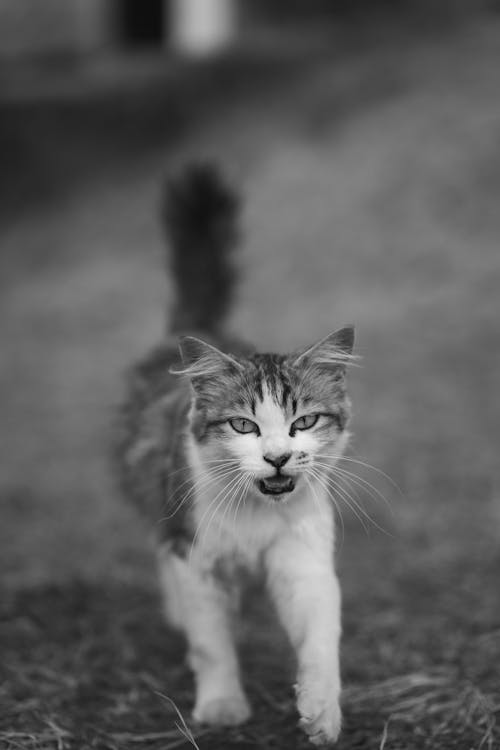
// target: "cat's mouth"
[[279, 484]]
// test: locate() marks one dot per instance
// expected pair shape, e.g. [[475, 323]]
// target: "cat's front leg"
[[305, 589], [198, 603]]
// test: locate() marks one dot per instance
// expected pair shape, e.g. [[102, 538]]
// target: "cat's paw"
[[226, 711], [320, 715]]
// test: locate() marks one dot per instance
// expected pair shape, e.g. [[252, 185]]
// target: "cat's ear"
[[334, 351], [201, 360]]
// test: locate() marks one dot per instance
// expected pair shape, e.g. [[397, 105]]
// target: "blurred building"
[[31, 28]]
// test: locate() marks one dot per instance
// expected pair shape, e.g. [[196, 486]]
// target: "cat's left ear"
[[201, 360], [334, 351]]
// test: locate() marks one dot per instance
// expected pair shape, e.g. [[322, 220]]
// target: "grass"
[[373, 187], [93, 666]]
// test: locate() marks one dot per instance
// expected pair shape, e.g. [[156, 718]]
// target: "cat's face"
[[273, 420]]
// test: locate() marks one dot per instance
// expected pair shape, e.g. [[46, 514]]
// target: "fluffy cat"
[[228, 452]]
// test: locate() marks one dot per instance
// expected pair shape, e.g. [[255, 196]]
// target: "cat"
[[228, 452]]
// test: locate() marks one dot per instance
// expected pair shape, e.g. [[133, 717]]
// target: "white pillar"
[[200, 27]]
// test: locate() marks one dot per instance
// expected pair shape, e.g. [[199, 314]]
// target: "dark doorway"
[[142, 21]]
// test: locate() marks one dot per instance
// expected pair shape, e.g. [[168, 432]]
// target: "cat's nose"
[[277, 461]]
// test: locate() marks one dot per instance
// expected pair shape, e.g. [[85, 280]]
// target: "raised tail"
[[200, 214]]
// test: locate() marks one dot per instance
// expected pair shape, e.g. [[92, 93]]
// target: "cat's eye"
[[304, 423], [243, 425]]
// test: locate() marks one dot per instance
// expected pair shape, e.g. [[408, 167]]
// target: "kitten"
[[228, 452]]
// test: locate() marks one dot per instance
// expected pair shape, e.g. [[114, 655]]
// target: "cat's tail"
[[200, 214]]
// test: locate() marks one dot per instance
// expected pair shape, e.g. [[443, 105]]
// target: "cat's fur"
[[221, 499]]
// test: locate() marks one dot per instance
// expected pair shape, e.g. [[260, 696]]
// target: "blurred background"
[[365, 137]]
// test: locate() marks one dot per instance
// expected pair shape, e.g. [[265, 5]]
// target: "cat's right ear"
[[201, 360]]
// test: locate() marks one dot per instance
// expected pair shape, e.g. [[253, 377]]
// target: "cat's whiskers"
[[213, 502], [231, 481], [205, 479], [364, 485], [226, 500], [250, 479], [208, 472], [315, 497], [221, 464], [366, 465], [360, 482], [185, 467], [241, 497], [201, 482], [232, 500], [320, 479], [348, 498], [332, 486]]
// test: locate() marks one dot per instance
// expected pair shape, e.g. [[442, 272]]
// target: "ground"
[[373, 183]]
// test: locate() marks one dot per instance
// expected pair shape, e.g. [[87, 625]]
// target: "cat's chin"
[[277, 487]]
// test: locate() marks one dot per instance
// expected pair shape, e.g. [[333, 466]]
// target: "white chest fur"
[[247, 531]]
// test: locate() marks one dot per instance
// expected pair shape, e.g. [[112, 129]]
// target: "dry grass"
[[94, 666]]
